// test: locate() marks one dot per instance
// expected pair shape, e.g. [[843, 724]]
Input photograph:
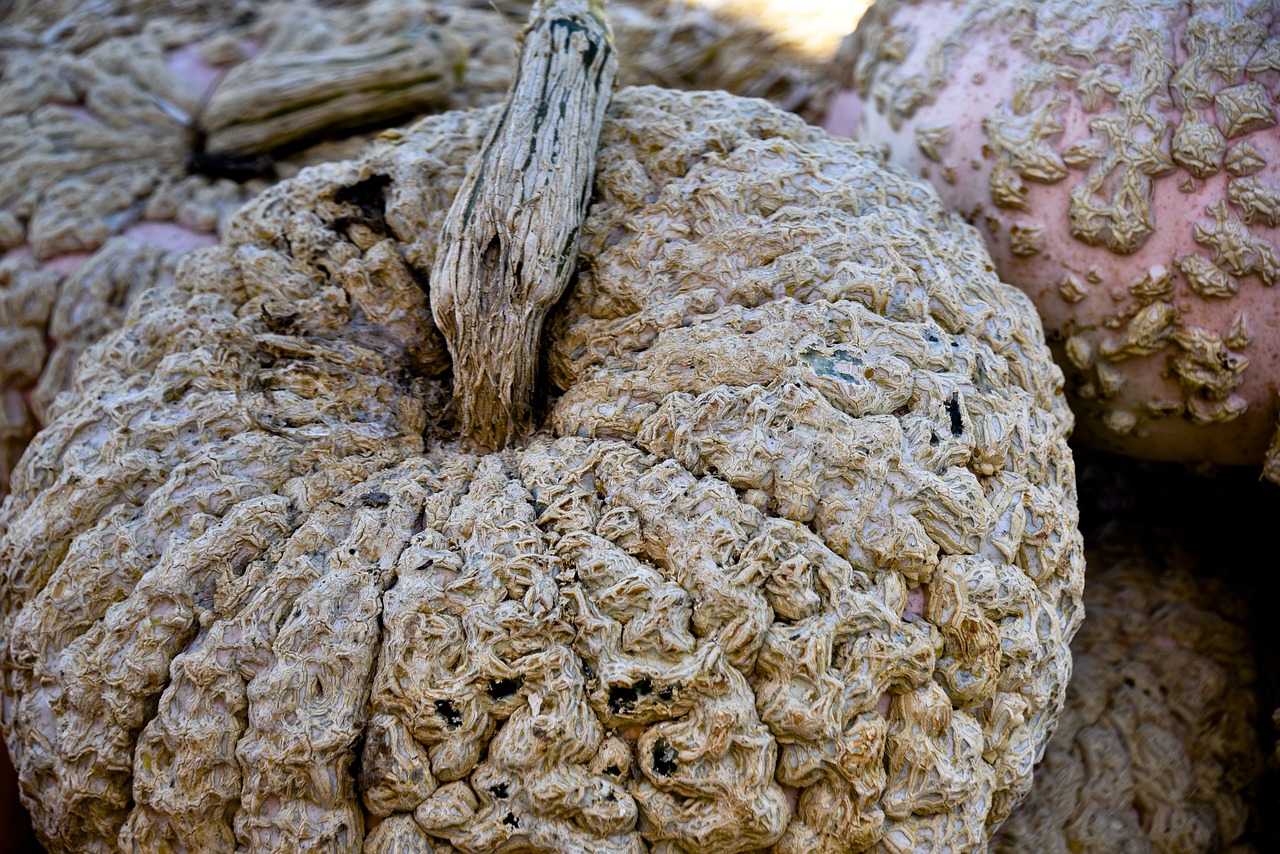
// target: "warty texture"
[[1122, 159], [1157, 748], [793, 563]]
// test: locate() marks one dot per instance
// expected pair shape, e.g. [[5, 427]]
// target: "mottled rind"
[[1127, 139], [793, 562]]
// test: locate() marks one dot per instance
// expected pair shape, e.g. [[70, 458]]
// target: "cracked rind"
[[96, 115], [1156, 749], [794, 565], [1135, 139]]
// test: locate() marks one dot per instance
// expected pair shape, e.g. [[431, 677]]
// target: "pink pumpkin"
[[1122, 160]]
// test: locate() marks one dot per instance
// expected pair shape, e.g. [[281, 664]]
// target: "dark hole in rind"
[[491, 257], [510, 820], [500, 688], [452, 717], [420, 278], [953, 409], [622, 698], [375, 499], [370, 197], [668, 693], [499, 790], [664, 758], [612, 770], [370, 757]]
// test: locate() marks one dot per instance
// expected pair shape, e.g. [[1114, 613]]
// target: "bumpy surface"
[[1123, 161], [1156, 750], [131, 130], [794, 562]]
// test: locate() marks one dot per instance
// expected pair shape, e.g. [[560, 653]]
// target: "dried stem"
[[509, 244]]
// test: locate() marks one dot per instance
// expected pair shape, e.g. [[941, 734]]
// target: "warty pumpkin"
[[780, 551], [1122, 159]]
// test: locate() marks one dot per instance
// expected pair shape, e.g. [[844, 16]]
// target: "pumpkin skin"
[[793, 562], [1157, 748], [1122, 161]]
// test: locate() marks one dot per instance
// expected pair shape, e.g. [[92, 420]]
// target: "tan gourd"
[[778, 551]]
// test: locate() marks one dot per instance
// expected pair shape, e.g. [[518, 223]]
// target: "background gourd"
[[1122, 161]]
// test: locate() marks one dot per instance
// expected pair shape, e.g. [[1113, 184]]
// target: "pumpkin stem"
[[510, 241]]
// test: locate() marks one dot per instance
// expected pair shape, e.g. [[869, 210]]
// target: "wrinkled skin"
[[1157, 748], [1122, 159], [132, 130], [110, 217], [792, 562]]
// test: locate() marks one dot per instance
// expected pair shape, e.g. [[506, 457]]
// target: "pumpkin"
[[777, 547], [1122, 160], [1157, 748]]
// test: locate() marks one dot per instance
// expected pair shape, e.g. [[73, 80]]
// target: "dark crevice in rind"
[[449, 714], [664, 758], [370, 196], [240, 168], [501, 688], [421, 278], [622, 698], [355, 769], [953, 410]]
